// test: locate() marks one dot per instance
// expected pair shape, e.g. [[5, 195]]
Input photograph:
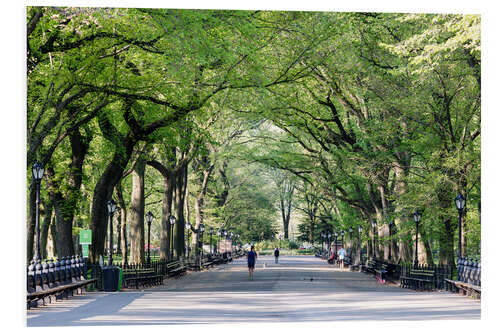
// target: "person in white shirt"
[[342, 255]]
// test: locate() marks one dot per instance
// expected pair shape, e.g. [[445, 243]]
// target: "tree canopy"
[[241, 119]]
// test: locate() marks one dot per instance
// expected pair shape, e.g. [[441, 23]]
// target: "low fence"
[[467, 270]]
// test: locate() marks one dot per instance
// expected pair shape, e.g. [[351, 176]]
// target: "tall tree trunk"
[[102, 193], [44, 232], [123, 222], [51, 240], [446, 253], [137, 242], [180, 192], [30, 237], [168, 188], [64, 215]]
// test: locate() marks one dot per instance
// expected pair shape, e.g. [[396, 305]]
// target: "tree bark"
[[30, 237], [102, 193], [137, 241], [180, 193], [123, 223], [44, 232]]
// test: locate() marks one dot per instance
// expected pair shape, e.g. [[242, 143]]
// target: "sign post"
[[85, 241]]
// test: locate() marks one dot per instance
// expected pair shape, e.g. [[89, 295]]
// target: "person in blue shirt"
[[252, 257], [342, 255]]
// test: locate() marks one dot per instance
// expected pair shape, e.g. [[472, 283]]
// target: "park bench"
[[468, 278], [55, 280], [140, 277], [176, 268], [418, 278], [369, 266]]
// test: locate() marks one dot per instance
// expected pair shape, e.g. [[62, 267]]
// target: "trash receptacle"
[[110, 277]]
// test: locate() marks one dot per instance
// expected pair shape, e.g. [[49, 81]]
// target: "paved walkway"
[[297, 289]]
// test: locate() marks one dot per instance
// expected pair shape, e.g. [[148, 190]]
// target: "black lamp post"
[[149, 219], [322, 240], [231, 237], [374, 226], [342, 234], [37, 171], [336, 235], [111, 209], [202, 230], [329, 236], [188, 229], [172, 223], [219, 233], [460, 204], [211, 231], [350, 242], [416, 217], [360, 230]]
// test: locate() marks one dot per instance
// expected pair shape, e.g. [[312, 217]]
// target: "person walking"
[[276, 254], [251, 258], [342, 254]]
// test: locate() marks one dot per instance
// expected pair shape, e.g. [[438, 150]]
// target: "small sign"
[[85, 250], [85, 236]]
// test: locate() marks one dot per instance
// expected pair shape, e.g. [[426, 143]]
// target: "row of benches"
[[56, 279], [468, 277], [53, 280]]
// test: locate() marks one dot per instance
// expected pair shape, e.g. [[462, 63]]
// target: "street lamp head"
[[211, 230], [172, 220], [188, 226], [111, 206], [219, 232], [336, 234], [374, 224], [460, 202], [149, 217], [37, 170], [329, 234], [202, 227], [350, 230], [417, 216], [342, 232], [225, 233], [360, 229]]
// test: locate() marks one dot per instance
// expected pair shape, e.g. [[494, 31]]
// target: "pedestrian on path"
[[342, 254], [252, 258], [276, 254]]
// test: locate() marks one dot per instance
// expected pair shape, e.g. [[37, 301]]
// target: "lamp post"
[[350, 242], [374, 225], [188, 230], [336, 235], [211, 231], [202, 230], [342, 234], [37, 171], [172, 223], [219, 233], [231, 237], [322, 240], [149, 219], [329, 236], [360, 230], [460, 204], [111, 209], [416, 217]]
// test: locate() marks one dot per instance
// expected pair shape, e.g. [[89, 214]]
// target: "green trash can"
[[120, 280]]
